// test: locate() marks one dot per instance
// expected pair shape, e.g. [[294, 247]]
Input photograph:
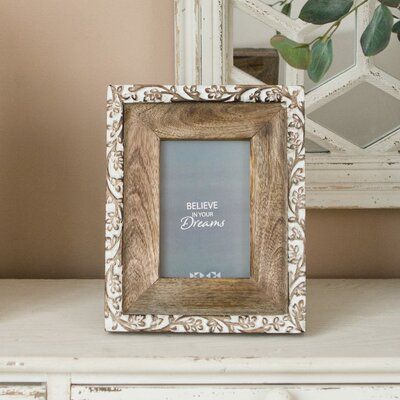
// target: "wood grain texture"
[[141, 228], [268, 216], [265, 293], [205, 297], [205, 121]]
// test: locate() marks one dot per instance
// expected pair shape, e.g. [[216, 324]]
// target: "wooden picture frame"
[[272, 300]]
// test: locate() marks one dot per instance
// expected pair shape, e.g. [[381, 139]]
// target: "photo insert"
[[205, 209]]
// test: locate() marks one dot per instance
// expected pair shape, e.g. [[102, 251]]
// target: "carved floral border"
[[292, 98]]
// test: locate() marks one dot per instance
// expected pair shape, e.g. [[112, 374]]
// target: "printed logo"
[[209, 275]]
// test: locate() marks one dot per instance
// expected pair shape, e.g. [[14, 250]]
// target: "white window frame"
[[348, 176]]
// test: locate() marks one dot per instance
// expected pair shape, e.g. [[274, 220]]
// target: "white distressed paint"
[[58, 387], [57, 341], [187, 41], [63, 320], [22, 392], [312, 392]]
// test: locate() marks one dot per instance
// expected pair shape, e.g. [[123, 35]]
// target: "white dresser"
[[53, 346]]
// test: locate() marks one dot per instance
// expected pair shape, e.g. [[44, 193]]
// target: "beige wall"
[[56, 59], [353, 243]]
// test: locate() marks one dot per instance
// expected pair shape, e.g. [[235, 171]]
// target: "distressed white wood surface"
[[112, 392], [359, 182], [22, 392], [49, 326]]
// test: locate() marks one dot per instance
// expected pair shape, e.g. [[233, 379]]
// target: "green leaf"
[[391, 3], [321, 12], [286, 9], [321, 59], [295, 54], [376, 36], [396, 29]]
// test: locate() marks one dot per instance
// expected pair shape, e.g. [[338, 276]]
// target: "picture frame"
[[273, 299]]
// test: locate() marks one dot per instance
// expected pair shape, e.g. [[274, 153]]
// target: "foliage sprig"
[[316, 56]]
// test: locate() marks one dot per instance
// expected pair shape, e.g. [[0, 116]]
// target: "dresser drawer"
[[264, 392], [22, 392]]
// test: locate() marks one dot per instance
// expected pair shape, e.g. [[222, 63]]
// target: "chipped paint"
[[23, 392], [14, 364], [275, 392]]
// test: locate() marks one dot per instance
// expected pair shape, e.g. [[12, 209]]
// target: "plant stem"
[[332, 29], [336, 26]]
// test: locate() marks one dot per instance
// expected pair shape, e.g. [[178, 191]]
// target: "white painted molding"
[[269, 16], [330, 140], [200, 50], [332, 89], [58, 387], [205, 56], [233, 392], [187, 42], [13, 391], [352, 182], [189, 370]]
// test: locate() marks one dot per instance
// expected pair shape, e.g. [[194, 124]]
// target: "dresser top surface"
[[64, 318]]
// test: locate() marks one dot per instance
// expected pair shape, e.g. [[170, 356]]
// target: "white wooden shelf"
[[52, 332]]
